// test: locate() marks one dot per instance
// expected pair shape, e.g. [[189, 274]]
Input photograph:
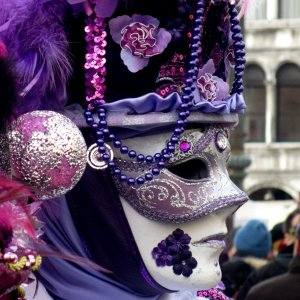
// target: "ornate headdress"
[[142, 67]]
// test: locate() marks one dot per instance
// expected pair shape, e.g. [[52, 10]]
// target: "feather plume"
[[245, 5], [37, 43], [14, 212]]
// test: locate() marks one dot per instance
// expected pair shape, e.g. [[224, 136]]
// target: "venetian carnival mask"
[[178, 218], [158, 111], [195, 182]]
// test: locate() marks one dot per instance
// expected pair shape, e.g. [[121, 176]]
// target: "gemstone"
[[185, 146], [221, 141]]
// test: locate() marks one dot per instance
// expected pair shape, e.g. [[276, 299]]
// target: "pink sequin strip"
[[95, 61], [213, 294]]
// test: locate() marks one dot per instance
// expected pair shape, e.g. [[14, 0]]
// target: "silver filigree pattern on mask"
[[173, 199]]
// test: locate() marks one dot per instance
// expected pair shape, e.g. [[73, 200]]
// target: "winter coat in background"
[[279, 265], [282, 287]]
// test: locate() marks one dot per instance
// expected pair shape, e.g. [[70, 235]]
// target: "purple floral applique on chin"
[[174, 251], [140, 38], [211, 88]]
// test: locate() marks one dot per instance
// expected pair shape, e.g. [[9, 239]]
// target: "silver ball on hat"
[[48, 152]]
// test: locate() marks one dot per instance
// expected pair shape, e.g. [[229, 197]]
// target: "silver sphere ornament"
[[48, 152]]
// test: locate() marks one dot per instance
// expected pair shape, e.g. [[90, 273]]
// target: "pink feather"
[[244, 4]]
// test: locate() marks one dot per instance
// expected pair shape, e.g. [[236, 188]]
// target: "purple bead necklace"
[[95, 91]]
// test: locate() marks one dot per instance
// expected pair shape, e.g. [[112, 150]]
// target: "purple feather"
[[38, 46]]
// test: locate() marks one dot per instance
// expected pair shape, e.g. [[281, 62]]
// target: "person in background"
[[253, 244], [285, 286], [279, 264]]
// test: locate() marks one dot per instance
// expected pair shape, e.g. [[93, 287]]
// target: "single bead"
[[183, 106], [102, 123], [239, 68], [140, 158], [157, 156], [100, 142], [124, 149], [236, 28], [166, 156], [117, 144], [111, 165], [171, 148], [101, 149], [148, 176], [131, 181], [161, 164], [240, 45], [102, 115], [155, 171], [88, 113], [100, 133], [112, 137], [123, 177], [164, 151], [106, 157], [149, 159], [178, 130], [132, 154], [182, 115], [140, 180], [179, 122], [89, 120], [117, 172], [106, 131]]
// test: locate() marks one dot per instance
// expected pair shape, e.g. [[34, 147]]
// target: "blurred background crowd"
[[263, 264]]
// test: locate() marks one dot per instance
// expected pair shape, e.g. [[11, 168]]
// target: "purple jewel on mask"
[[221, 141], [174, 251], [140, 38], [185, 146]]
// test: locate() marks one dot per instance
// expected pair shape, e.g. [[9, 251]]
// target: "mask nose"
[[194, 169]]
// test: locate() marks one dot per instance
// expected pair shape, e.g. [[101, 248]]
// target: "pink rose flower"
[[140, 38]]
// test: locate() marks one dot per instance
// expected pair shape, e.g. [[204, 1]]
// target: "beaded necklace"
[[95, 93]]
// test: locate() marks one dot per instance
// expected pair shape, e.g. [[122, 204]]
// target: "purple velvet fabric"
[[152, 102], [92, 224]]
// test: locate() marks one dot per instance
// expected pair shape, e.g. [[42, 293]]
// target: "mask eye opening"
[[194, 169]]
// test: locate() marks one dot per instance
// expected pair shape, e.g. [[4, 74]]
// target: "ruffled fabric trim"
[[153, 102]]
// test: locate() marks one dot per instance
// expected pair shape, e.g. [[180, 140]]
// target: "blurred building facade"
[[272, 91]]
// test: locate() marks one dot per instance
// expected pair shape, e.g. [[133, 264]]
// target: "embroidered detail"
[[213, 294], [140, 38], [184, 263], [207, 87], [174, 251], [211, 88]]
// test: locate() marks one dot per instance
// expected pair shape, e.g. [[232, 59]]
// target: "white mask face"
[[198, 203], [207, 274]]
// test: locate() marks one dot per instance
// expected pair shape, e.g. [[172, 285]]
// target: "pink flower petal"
[[116, 25], [145, 20], [163, 38], [133, 63], [223, 88], [105, 8], [209, 67]]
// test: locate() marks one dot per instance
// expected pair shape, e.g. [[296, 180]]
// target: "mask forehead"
[[171, 196]]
